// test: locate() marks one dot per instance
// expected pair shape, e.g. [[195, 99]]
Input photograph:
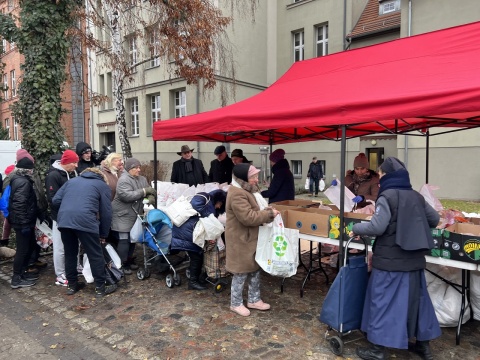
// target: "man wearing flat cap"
[[188, 170], [221, 168]]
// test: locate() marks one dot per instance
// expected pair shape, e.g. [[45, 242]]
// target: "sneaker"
[[73, 288], [18, 282], [30, 276], [105, 290], [259, 305], [6, 252], [240, 310], [310, 195], [127, 270], [61, 280]]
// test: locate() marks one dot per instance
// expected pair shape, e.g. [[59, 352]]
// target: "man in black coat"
[[221, 168], [188, 170], [315, 173]]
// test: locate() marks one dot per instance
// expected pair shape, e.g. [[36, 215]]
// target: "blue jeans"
[[314, 182], [93, 249]]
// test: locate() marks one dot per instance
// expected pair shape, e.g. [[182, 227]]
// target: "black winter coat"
[[282, 186], [180, 176], [54, 180], [221, 171], [22, 209]]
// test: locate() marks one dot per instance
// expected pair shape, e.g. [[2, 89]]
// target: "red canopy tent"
[[400, 86]]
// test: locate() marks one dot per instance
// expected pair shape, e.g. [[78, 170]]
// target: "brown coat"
[[112, 179], [241, 230], [368, 188]]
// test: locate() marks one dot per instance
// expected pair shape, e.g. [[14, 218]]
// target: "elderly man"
[[221, 168], [188, 170]]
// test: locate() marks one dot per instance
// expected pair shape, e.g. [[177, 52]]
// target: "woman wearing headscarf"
[[397, 305], [246, 211], [132, 188]]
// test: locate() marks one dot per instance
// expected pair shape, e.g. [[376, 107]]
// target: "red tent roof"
[[408, 84]]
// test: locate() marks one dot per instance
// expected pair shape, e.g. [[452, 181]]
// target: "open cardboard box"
[[461, 242], [302, 203], [349, 220], [310, 220]]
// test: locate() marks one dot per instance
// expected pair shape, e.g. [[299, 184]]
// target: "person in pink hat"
[[6, 225]]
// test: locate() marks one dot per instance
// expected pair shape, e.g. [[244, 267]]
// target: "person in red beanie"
[[282, 186], [6, 225], [362, 181], [60, 172]]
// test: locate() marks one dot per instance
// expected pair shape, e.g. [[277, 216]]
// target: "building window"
[[180, 103], [298, 46], [297, 168], [15, 129], [109, 90], [322, 40], [4, 45], [387, 7], [155, 107], [134, 118], [101, 89], [154, 45], [13, 82], [132, 50], [7, 127], [10, 5], [5, 86]]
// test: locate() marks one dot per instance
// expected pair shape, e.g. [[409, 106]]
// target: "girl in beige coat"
[[246, 211]]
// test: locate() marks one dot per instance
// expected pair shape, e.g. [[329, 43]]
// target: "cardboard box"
[[350, 219], [461, 242], [301, 203], [309, 220], [474, 220], [437, 235]]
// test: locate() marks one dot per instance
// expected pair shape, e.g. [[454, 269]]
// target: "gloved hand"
[[334, 182], [26, 231], [150, 191], [151, 199], [358, 198]]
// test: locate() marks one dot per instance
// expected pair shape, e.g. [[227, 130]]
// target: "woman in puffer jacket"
[[182, 237]]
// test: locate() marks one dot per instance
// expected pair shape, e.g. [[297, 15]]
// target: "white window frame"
[[322, 40], [154, 44], [5, 86], [296, 168], [180, 103], [388, 7], [155, 107], [7, 127], [15, 129], [298, 49], [132, 50], [4, 45], [134, 117], [13, 82]]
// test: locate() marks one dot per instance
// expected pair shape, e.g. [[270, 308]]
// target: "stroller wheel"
[[141, 274], [177, 280], [219, 287], [147, 273], [336, 344], [169, 280]]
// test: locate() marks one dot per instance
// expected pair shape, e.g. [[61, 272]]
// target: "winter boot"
[[30, 276], [19, 282], [73, 288], [4, 242], [105, 290], [196, 262], [131, 262], [374, 352], [422, 348]]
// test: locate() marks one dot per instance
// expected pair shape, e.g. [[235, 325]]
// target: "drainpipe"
[[344, 24], [197, 110], [409, 33]]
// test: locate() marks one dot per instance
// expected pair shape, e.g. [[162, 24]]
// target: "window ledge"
[[298, 3]]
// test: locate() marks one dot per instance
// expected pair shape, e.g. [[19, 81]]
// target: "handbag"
[[277, 249], [43, 234], [180, 211], [307, 183], [136, 231]]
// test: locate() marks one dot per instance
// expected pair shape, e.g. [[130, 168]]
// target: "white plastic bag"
[[180, 211], [307, 183], [321, 185], [207, 228], [43, 234], [136, 231], [87, 271], [277, 249], [333, 194], [114, 256], [427, 192]]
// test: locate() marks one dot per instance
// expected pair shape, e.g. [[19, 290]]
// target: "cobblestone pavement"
[[147, 320]]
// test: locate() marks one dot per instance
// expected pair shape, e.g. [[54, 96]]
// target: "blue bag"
[[4, 200]]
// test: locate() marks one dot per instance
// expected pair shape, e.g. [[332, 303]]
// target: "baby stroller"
[[157, 235], [343, 306]]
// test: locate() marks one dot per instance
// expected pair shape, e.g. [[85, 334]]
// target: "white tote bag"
[[136, 231], [307, 183], [277, 249], [180, 211]]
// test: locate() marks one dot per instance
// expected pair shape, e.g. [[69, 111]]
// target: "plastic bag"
[[207, 228], [87, 271], [307, 183], [4, 200], [321, 185], [136, 231], [43, 234], [333, 194], [180, 211], [277, 249], [427, 192]]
